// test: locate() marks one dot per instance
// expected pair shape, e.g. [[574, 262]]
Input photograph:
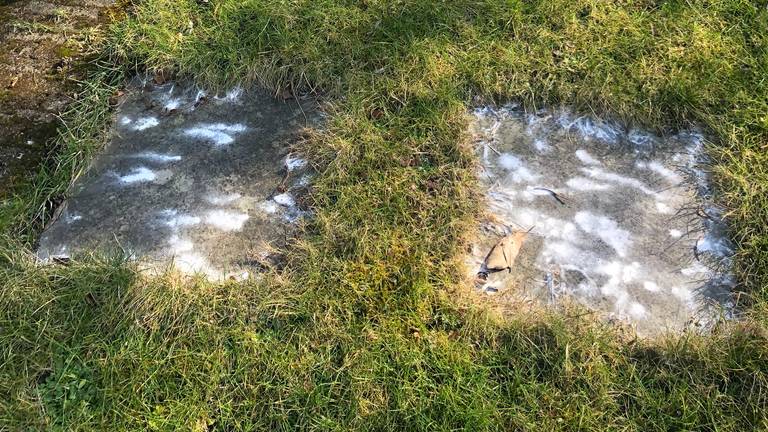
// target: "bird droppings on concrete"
[[144, 123], [138, 174], [203, 181], [622, 221], [285, 200], [219, 134], [157, 157], [293, 162]]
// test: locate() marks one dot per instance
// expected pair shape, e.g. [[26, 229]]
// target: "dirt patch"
[[41, 44]]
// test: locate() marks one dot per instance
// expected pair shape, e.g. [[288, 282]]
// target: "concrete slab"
[[621, 220], [205, 181]]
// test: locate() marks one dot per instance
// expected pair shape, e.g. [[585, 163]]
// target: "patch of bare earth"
[[41, 43]]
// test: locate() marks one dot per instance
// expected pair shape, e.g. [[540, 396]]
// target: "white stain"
[[518, 171], [293, 163], [541, 145], [660, 169], [716, 245], [620, 272], [606, 229], [663, 208], [226, 220], [293, 214], [219, 134], [606, 176], [304, 180], [285, 200], [510, 162], [557, 228], [199, 96], [268, 207], [73, 217], [172, 104], [696, 269], [590, 128], [651, 286], [637, 311], [223, 199], [137, 175], [159, 157], [232, 96], [585, 184], [176, 220], [193, 263], [145, 123], [640, 138], [622, 242], [586, 158], [180, 245], [682, 293]]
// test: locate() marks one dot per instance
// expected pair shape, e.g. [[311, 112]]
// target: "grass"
[[367, 327]]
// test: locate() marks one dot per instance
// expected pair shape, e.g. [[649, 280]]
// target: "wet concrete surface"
[[40, 45], [621, 221], [205, 181]]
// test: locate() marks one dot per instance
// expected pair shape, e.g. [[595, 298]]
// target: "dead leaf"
[[504, 253]]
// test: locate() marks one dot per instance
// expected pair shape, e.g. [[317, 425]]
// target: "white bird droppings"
[[660, 169], [584, 184], [637, 311], [138, 175], [293, 163], [179, 245], [219, 134], [268, 207], [285, 200], [663, 208], [226, 220], [650, 286], [519, 173], [158, 157], [176, 220], [145, 123], [541, 145], [606, 229], [586, 158], [223, 199]]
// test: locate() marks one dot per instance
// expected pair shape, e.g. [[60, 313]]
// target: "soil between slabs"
[[40, 45], [621, 221], [205, 181]]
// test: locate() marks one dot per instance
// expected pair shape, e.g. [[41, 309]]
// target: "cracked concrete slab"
[[203, 180], [621, 220]]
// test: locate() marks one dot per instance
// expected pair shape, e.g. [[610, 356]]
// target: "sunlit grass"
[[367, 328]]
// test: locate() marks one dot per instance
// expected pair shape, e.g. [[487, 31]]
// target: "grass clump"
[[364, 330]]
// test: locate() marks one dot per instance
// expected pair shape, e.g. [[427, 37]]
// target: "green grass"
[[367, 327]]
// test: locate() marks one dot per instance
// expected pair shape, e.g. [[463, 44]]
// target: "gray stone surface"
[[202, 180], [622, 220]]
